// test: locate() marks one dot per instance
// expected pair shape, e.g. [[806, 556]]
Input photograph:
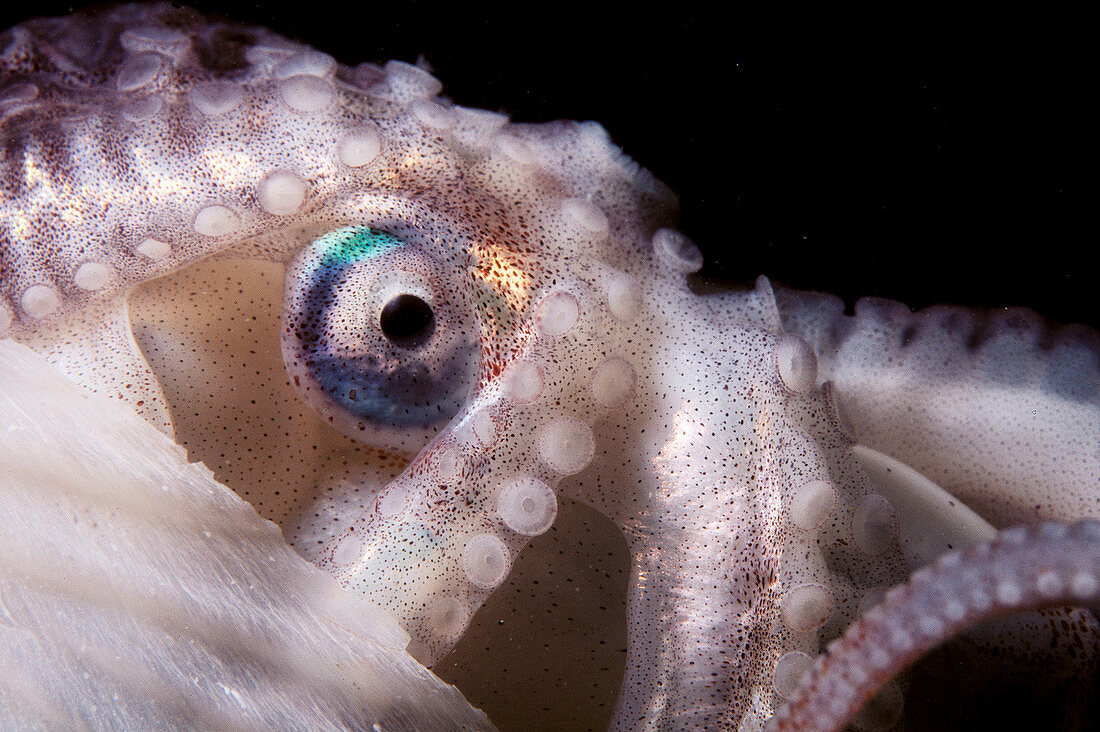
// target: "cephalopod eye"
[[375, 337]]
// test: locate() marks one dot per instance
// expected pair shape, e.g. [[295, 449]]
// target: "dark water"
[[926, 159]]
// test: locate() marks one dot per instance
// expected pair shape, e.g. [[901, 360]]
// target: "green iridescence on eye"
[[370, 386], [355, 243]]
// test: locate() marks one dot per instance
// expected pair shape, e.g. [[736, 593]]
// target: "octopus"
[[464, 365]]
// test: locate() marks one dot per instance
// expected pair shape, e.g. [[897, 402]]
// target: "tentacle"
[[991, 664], [558, 239], [987, 405], [1023, 568]]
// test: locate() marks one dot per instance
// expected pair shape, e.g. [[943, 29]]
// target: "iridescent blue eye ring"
[[364, 330]]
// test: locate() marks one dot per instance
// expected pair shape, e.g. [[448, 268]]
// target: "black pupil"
[[406, 319]]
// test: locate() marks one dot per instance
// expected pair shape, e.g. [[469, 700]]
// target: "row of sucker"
[[385, 151], [477, 493], [507, 306], [1047, 565], [165, 114], [837, 539]]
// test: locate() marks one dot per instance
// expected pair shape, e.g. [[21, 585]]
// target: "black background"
[[926, 158]]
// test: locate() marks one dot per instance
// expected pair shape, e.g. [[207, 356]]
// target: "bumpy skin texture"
[[1048, 565], [566, 355]]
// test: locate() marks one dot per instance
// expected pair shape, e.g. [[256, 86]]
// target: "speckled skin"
[[716, 431]]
